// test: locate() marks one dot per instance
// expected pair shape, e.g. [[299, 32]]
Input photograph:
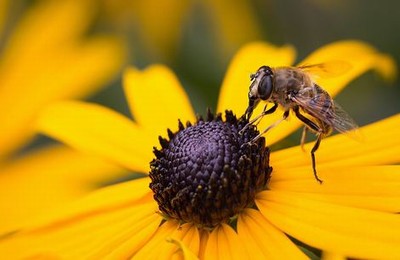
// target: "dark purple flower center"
[[207, 173]]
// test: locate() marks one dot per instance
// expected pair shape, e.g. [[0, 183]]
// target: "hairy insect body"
[[294, 89], [288, 82]]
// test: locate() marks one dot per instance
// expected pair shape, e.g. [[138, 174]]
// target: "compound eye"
[[265, 87]]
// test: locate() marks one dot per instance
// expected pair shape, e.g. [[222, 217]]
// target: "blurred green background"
[[197, 39]]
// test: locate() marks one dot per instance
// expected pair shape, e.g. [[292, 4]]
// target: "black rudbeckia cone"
[[207, 173]]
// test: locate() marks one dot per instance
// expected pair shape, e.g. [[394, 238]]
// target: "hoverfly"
[[294, 89]]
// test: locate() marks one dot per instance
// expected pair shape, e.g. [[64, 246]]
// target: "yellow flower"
[[45, 61], [45, 57], [351, 214]]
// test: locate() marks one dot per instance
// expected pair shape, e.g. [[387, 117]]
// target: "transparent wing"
[[326, 69], [322, 107], [341, 121]]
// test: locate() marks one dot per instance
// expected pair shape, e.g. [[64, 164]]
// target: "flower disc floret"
[[208, 172]]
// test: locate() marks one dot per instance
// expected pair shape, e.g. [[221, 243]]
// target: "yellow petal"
[[224, 243], [189, 244], [113, 197], [45, 179], [333, 256], [160, 244], [235, 87], [55, 64], [158, 241], [35, 28], [96, 129], [370, 187], [264, 241], [337, 176], [203, 243], [187, 254], [380, 145], [92, 235], [191, 240], [157, 99], [131, 241], [359, 55], [353, 232]]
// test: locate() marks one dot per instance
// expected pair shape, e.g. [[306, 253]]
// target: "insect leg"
[[319, 131], [252, 104], [307, 121], [303, 137], [285, 115], [313, 150], [262, 114], [265, 112]]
